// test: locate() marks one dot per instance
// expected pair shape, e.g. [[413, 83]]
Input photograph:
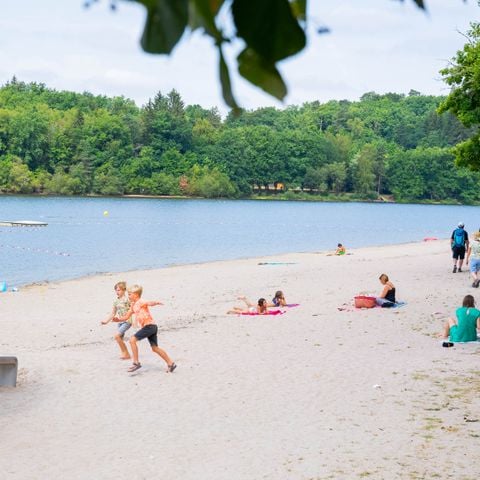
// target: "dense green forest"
[[392, 146]]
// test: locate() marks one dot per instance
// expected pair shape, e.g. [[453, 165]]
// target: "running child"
[[148, 328], [120, 307]]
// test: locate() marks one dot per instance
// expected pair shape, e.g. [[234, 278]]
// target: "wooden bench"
[[8, 371]]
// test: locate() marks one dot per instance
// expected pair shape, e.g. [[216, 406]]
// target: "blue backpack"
[[459, 237]]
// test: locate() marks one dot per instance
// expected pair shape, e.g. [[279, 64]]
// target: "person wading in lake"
[[459, 243]]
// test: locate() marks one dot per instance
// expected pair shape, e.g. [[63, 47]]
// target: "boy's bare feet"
[[125, 357]]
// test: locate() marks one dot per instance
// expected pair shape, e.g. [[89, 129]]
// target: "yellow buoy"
[[105, 213]]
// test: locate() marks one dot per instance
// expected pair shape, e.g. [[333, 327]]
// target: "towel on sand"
[[270, 312], [346, 307]]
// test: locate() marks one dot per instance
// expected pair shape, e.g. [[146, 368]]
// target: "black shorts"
[[458, 252], [150, 332]]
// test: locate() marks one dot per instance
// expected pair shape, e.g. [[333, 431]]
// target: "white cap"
[[461, 224]]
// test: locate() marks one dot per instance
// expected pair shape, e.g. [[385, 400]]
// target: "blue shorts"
[[474, 265], [123, 327]]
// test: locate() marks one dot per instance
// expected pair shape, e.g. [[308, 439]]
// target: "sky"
[[374, 45]]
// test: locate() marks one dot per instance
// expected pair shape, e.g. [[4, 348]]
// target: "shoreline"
[[256, 197], [314, 393], [206, 262]]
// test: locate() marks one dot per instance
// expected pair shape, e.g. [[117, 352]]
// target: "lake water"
[[141, 233]]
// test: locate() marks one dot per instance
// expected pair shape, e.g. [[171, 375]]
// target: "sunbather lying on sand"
[[260, 308]]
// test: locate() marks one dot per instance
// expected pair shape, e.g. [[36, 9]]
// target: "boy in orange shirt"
[[148, 328]]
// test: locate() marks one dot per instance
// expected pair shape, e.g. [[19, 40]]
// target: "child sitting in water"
[[260, 308], [341, 250], [464, 327]]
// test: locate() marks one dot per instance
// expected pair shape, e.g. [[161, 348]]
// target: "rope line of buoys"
[[36, 250]]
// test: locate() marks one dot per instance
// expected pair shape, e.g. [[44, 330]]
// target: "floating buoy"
[[105, 213]]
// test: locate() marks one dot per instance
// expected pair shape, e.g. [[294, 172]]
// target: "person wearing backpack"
[[459, 243]]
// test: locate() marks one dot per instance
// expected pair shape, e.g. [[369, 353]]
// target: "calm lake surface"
[[143, 233]]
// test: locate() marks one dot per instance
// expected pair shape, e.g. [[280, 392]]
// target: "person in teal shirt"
[[464, 327]]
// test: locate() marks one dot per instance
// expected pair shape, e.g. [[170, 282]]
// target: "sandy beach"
[[316, 393]]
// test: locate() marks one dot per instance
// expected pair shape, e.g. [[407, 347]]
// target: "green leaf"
[[261, 73], [299, 9], [203, 13], [226, 83], [268, 27], [165, 24], [420, 4]]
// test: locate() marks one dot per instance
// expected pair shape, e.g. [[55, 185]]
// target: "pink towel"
[[269, 312]]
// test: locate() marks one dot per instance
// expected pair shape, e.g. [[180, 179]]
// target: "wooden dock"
[[22, 223]]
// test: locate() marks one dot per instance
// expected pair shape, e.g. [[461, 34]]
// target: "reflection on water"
[[82, 239]]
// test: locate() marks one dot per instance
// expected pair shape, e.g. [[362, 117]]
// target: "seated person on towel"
[[387, 297]]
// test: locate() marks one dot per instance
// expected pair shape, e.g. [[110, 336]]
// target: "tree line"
[[60, 142]]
